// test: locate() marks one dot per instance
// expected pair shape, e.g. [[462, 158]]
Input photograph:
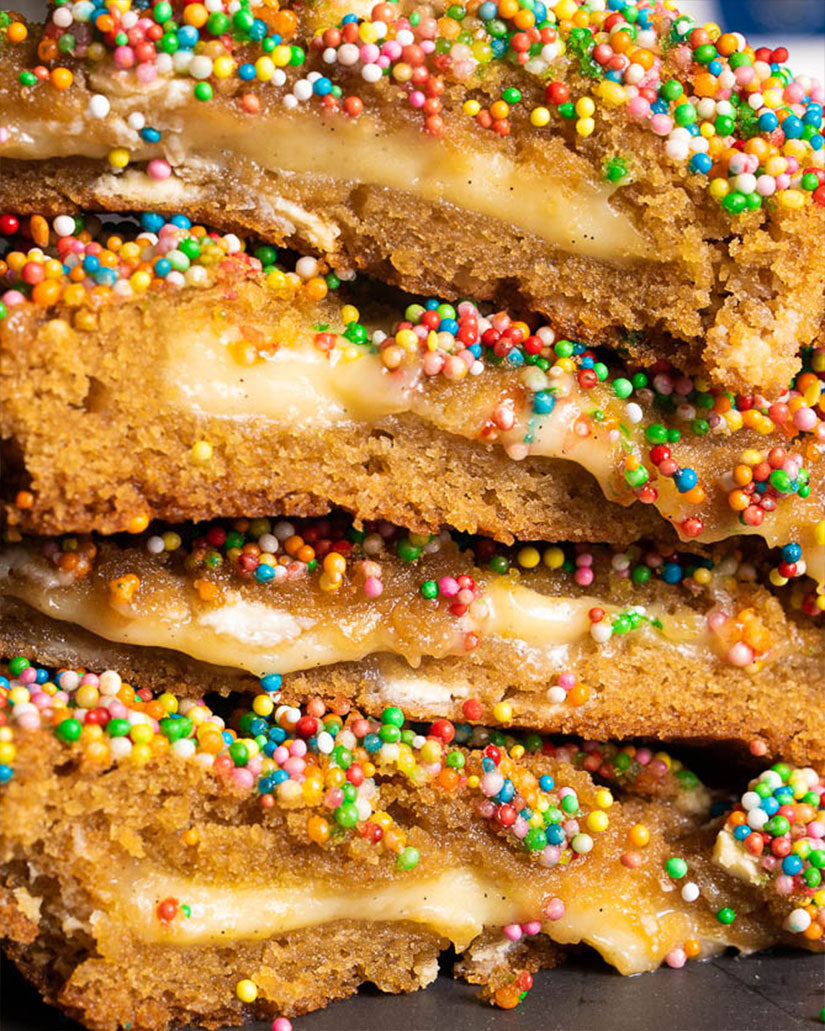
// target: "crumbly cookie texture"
[[618, 174]]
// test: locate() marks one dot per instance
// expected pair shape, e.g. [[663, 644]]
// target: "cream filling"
[[569, 211], [261, 637], [629, 930]]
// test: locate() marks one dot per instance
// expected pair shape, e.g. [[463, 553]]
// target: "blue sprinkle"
[[271, 682]]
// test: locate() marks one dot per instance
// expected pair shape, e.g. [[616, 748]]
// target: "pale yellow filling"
[[260, 636], [630, 931], [568, 210]]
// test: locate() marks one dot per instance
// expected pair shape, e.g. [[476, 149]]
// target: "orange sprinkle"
[[39, 230], [62, 78], [17, 32], [24, 499], [138, 523]]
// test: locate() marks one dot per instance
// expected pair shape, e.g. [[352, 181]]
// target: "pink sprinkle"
[[783, 884], [280, 755], [550, 856], [531, 927], [487, 809], [40, 700], [29, 720], [643, 756], [28, 675], [661, 124], [740, 654], [373, 588], [298, 748], [585, 559], [12, 297], [254, 765], [146, 73], [417, 98], [369, 53], [520, 827], [391, 49], [816, 829], [159, 169], [124, 57], [584, 576], [716, 620], [281, 1024], [676, 958], [4, 135], [744, 74], [512, 932], [567, 680], [783, 181], [294, 766], [554, 910], [658, 768], [564, 792], [639, 107], [427, 45], [242, 777], [448, 586]]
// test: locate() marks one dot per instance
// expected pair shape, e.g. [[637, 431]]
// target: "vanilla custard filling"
[[569, 211], [630, 930], [260, 636]]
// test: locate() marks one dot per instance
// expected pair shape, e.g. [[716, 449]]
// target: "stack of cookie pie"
[[347, 618]]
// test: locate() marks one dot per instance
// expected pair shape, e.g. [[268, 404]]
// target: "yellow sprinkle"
[[702, 576], [264, 68], [719, 188], [223, 66], [201, 451], [597, 821], [8, 753], [553, 558], [792, 199], [471, 108], [119, 157], [503, 712], [585, 126], [539, 117], [171, 540], [612, 93], [585, 107], [472, 782], [819, 533], [246, 990], [604, 799], [349, 313], [529, 557]]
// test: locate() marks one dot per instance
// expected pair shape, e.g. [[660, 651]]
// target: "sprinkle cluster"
[[733, 115], [80, 263], [779, 824]]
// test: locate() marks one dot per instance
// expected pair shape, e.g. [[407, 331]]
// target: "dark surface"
[[775, 992]]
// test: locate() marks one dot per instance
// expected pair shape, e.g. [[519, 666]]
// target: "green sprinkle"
[[407, 858], [676, 867], [725, 915]]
